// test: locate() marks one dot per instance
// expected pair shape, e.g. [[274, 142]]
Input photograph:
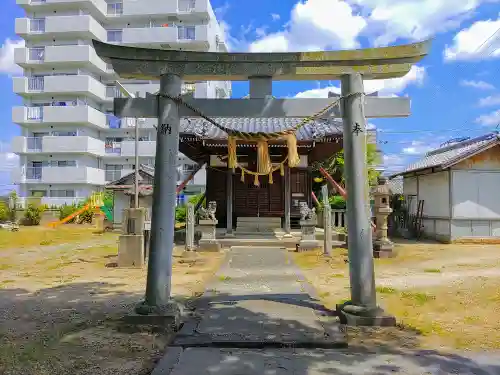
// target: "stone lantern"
[[382, 246]]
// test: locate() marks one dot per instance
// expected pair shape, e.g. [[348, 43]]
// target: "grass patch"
[[44, 236], [418, 297], [432, 270], [385, 290]]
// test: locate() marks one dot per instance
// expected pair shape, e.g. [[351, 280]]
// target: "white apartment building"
[[71, 144]]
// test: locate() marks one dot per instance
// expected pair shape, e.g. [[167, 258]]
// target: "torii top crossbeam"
[[372, 63]]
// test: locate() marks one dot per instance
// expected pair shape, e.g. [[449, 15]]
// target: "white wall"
[[475, 194], [434, 190]]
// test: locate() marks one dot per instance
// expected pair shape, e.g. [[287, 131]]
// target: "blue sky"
[[455, 91]]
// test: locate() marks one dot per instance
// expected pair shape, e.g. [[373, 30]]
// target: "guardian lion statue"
[[209, 212], [306, 213]]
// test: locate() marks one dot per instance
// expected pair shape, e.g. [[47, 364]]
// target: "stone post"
[[190, 223], [382, 246], [308, 222], [327, 221], [207, 226], [159, 278], [131, 242], [362, 309]]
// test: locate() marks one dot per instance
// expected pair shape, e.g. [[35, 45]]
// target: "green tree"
[[335, 164]]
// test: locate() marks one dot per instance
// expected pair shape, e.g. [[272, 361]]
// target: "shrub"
[[33, 215], [86, 217], [4, 212], [337, 202], [180, 214], [66, 210]]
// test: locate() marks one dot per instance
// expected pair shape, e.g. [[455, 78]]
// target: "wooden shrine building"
[[205, 143]]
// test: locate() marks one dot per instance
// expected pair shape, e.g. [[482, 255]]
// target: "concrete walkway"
[[258, 318]]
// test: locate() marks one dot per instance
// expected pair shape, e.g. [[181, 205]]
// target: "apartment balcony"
[[58, 175], [192, 37], [49, 86], [127, 149], [184, 9], [97, 8], [58, 145], [61, 57], [60, 27], [54, 115]]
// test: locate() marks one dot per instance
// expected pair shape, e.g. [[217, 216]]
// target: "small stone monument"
[[190, 224], [131, 242], [308, 222], [382, 246], [207, 225]]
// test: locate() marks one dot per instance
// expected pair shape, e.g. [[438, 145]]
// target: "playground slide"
[[69, 217]]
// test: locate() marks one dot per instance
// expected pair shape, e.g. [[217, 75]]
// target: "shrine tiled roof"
[[313, 130], [445, 157]]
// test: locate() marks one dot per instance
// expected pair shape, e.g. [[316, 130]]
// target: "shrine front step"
[[257, 224]]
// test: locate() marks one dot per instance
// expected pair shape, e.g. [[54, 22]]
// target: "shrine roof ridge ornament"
[[372, 63]]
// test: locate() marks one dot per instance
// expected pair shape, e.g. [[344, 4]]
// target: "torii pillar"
[[348, 66]]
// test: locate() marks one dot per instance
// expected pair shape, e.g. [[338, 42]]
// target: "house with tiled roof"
[[459, 184]]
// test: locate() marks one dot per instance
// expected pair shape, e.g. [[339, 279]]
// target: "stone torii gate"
[[351, 67]]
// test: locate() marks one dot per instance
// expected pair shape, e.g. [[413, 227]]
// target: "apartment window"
[[64, 134], [115, 35], [37, 25], [38, 193], [186, 32], [36, 54], [113, 172], [63, 163], [62, 194], [115, 9]]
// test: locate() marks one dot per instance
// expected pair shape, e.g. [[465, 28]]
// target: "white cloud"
[[489, 101], [385, 87], [479, 41], [7, 65], [315, 25], [481, 85], [418, 148], [275, 16], [390, 20], [394, 163], [8, 160], [489, 119]]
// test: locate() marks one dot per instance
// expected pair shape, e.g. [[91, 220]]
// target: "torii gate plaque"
[[351, 67]]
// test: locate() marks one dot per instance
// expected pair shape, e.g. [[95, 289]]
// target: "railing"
[[34, 173], [34, 143], [339, 219], [186, 5], [34, 113], [37, 25], [36, 54], [113, 175], [36, 83], [186, 32]]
